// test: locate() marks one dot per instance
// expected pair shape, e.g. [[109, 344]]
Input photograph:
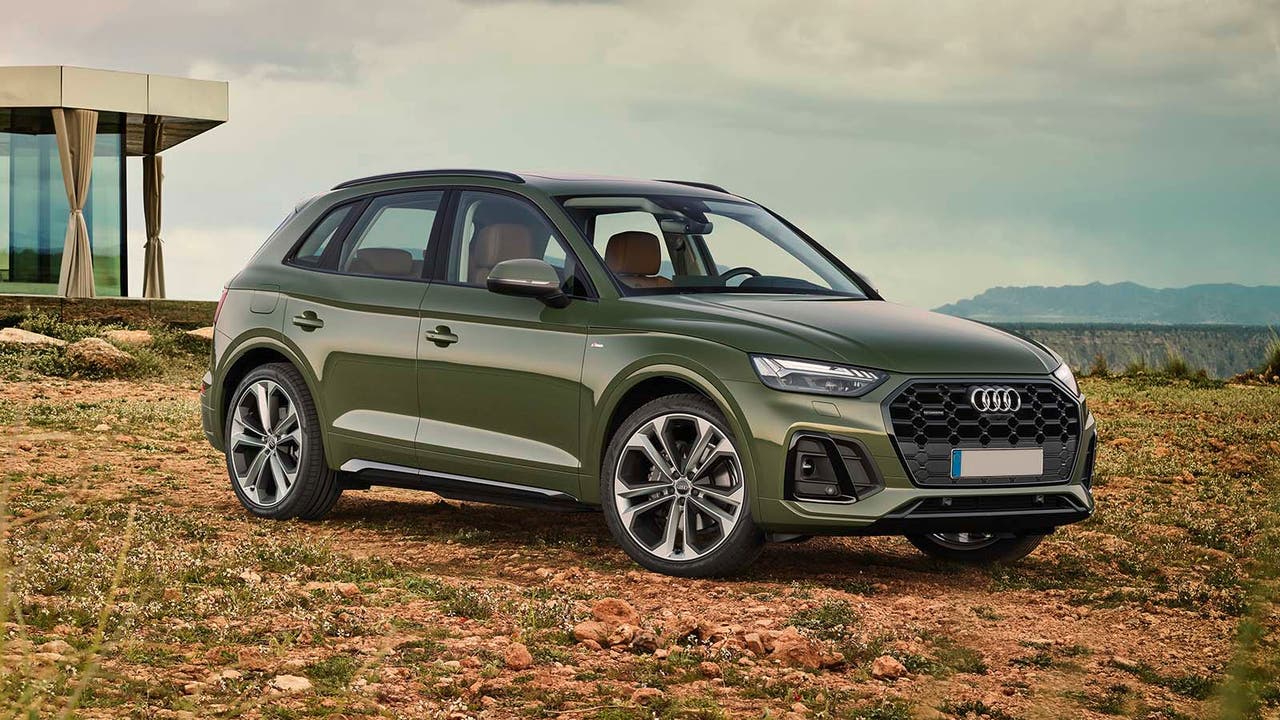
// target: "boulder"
[[290, 683], [623, 635], [615, 622], [613, 611], [592, 630], [887, 667], [223, 676], [128, 337], [61, 647], [644, 641], [18, 336], [517, 657], [792, 648], [682, 627], [709, 632], [204, 333], [98, 354], [645, 695]]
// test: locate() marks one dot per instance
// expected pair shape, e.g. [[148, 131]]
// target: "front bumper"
[[775, 419]]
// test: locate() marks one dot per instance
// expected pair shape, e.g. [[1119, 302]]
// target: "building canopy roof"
[[179, 108]]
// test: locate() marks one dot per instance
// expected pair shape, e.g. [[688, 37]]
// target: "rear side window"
[[311, 252], [390, 238]]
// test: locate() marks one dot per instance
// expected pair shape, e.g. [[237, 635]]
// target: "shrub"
[[1271, 362], [1100, 367], [1269, 371], [1137, 366], [56, 327], [171, 351], [1176, 366]]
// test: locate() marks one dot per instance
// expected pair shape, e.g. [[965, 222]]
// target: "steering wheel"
[[740, 270]]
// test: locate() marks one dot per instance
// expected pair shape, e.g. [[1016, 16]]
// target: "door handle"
[[308, 321], [442, 336]]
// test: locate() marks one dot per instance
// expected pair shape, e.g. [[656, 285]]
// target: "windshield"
[[657, 244]]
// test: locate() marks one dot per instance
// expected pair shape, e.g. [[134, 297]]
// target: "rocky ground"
[[135, 585]]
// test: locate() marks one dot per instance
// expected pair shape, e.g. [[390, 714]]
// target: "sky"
[[940, 147]]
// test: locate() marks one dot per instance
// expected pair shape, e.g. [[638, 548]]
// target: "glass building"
[[136, 115], [34, 207]]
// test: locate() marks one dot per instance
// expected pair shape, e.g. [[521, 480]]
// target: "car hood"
[[872, 333]]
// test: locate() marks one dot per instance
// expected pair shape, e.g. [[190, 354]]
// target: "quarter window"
[[311, 252], [390, 238]]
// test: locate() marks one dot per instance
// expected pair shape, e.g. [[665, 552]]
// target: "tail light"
[[218, 310]]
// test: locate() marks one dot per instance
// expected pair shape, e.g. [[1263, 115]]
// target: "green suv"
[[677, 356]]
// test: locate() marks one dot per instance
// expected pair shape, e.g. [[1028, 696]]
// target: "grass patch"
[[461, 600], [332, 675], [974, 708], [1196, 687], [832, 620]]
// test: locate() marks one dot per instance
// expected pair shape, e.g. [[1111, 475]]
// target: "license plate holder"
[[991, 462]]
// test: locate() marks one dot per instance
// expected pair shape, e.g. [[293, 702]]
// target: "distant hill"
[[1124, 303], [1222, 350]]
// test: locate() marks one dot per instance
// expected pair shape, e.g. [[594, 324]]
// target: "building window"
[[33, 204]]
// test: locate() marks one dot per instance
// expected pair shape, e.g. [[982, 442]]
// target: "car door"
[[499, 377], [356, 318]]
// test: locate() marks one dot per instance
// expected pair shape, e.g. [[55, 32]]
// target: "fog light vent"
[[1089, 457], [822, 468]]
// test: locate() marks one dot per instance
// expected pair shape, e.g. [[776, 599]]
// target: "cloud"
[[1087, 125]]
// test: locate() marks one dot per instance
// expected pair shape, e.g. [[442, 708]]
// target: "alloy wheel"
[[678, 486], [964, 540], [265, 443]]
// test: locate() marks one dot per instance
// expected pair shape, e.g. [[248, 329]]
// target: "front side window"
[[390, 238], [490, 228], [664, 244]]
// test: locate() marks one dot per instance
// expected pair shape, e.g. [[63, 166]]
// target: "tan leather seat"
[[636, 258], [494, 244], [383, 262]]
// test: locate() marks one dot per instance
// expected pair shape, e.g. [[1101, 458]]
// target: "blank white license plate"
[[997, 463]]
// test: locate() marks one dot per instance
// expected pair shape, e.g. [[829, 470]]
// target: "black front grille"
[[931, 418]]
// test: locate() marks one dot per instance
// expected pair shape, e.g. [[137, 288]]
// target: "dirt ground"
[[136, 586]]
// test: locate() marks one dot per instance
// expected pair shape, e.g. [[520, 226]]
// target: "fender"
[[267, 338], [678, 368]]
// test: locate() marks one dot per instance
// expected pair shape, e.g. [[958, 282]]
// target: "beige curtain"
[[153, 271], [76, 130]]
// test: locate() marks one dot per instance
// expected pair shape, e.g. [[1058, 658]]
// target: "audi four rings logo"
[[995, 399]]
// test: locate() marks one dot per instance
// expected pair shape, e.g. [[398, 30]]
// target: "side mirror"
[[527, 277]]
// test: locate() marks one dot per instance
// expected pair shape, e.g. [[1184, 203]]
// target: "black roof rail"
[[411, 174], [703, 185]]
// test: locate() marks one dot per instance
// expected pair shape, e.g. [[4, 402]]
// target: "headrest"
[[498, 242], [633, 253], [393, 262]]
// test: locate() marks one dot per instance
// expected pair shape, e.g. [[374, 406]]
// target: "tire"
[[314, 489], [987, 552], [709, 490]]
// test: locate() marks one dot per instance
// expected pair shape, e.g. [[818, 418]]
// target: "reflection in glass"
[[33, 204]]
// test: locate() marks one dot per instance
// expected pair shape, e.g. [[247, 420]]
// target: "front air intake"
[[1089, 458], [822, 468]]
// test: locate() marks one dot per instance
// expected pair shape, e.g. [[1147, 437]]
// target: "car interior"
[[636, 258]]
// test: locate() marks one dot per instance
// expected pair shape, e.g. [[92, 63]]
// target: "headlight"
[[1064, 375], [813, 376]]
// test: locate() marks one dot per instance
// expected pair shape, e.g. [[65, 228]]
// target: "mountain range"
[[1124, 303]]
